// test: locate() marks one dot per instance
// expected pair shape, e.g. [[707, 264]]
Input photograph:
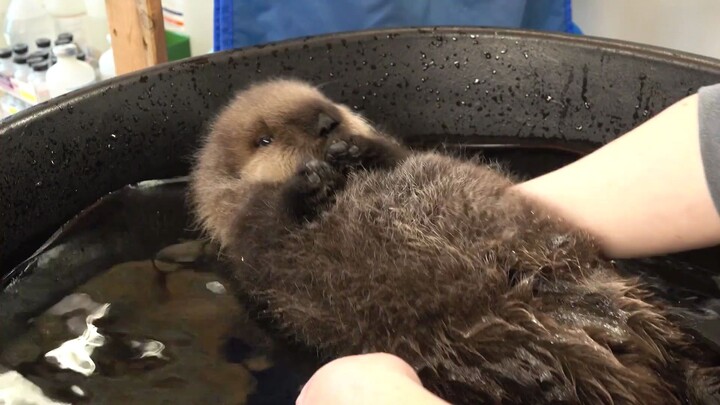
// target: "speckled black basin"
[[465, 84]]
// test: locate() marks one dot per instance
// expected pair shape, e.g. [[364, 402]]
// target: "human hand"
[[377, 378]]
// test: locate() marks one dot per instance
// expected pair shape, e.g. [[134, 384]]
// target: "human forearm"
[[642, 194]]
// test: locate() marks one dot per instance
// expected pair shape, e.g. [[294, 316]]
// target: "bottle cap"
[[5, 53], [41, 66], [63, 41], [35, 60], [42, 54], [67, 35], [65, 50], [43, 42], [81, 56], [20, 48], [20, 59]]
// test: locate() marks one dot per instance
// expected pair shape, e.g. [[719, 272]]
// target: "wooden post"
[[138, 34]]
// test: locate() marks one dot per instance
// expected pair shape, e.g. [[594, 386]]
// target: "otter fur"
[[355, 243]]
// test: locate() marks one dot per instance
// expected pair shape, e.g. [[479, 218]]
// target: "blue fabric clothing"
[[240, 23]]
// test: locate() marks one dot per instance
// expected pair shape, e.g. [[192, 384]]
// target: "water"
[[126, 305]]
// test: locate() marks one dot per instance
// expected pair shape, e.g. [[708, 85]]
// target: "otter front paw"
[[344, 152], [318, 176], [353, 151], [312, 189]]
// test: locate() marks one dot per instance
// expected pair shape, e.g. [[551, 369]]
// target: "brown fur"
[[230, 161], [431, 258]]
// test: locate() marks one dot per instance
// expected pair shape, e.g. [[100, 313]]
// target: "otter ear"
[[325, 124]]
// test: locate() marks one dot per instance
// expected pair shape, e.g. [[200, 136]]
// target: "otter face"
[[269, 129]]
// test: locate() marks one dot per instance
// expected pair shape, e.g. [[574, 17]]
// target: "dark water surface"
[[126, 304]]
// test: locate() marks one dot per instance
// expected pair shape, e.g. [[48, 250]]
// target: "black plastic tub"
[[458, 85], [535, 100]]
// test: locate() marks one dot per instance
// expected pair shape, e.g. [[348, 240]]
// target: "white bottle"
[[6, 63], [27, 20], [68, 73], [106, 64], [38, 79], [21, 69]]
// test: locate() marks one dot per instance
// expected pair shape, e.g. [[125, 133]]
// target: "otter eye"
[[264, 141]]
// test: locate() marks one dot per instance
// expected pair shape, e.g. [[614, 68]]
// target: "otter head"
[[269, 129], [263, 136]]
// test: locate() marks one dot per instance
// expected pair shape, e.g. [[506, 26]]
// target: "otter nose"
[[325, 124]]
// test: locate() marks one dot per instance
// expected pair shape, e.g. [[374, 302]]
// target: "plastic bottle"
[[21, 69], [6, 63], [38, 79], [106, 64], [68, 73], [26, 20]]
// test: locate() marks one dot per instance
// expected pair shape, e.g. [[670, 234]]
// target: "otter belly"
[[486, 296]]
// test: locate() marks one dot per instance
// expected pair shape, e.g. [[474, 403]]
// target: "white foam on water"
[[76, 354], [216, 287], [77, 391], [16, 390], [149, 348]]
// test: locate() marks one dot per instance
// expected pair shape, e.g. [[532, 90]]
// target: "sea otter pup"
[[354, 243]]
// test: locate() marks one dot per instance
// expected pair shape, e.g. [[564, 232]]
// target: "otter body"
[[355, 244]]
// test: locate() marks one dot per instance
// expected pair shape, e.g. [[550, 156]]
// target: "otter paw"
[[318, 182], [345, 151], [312, 189], [318, 174]]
